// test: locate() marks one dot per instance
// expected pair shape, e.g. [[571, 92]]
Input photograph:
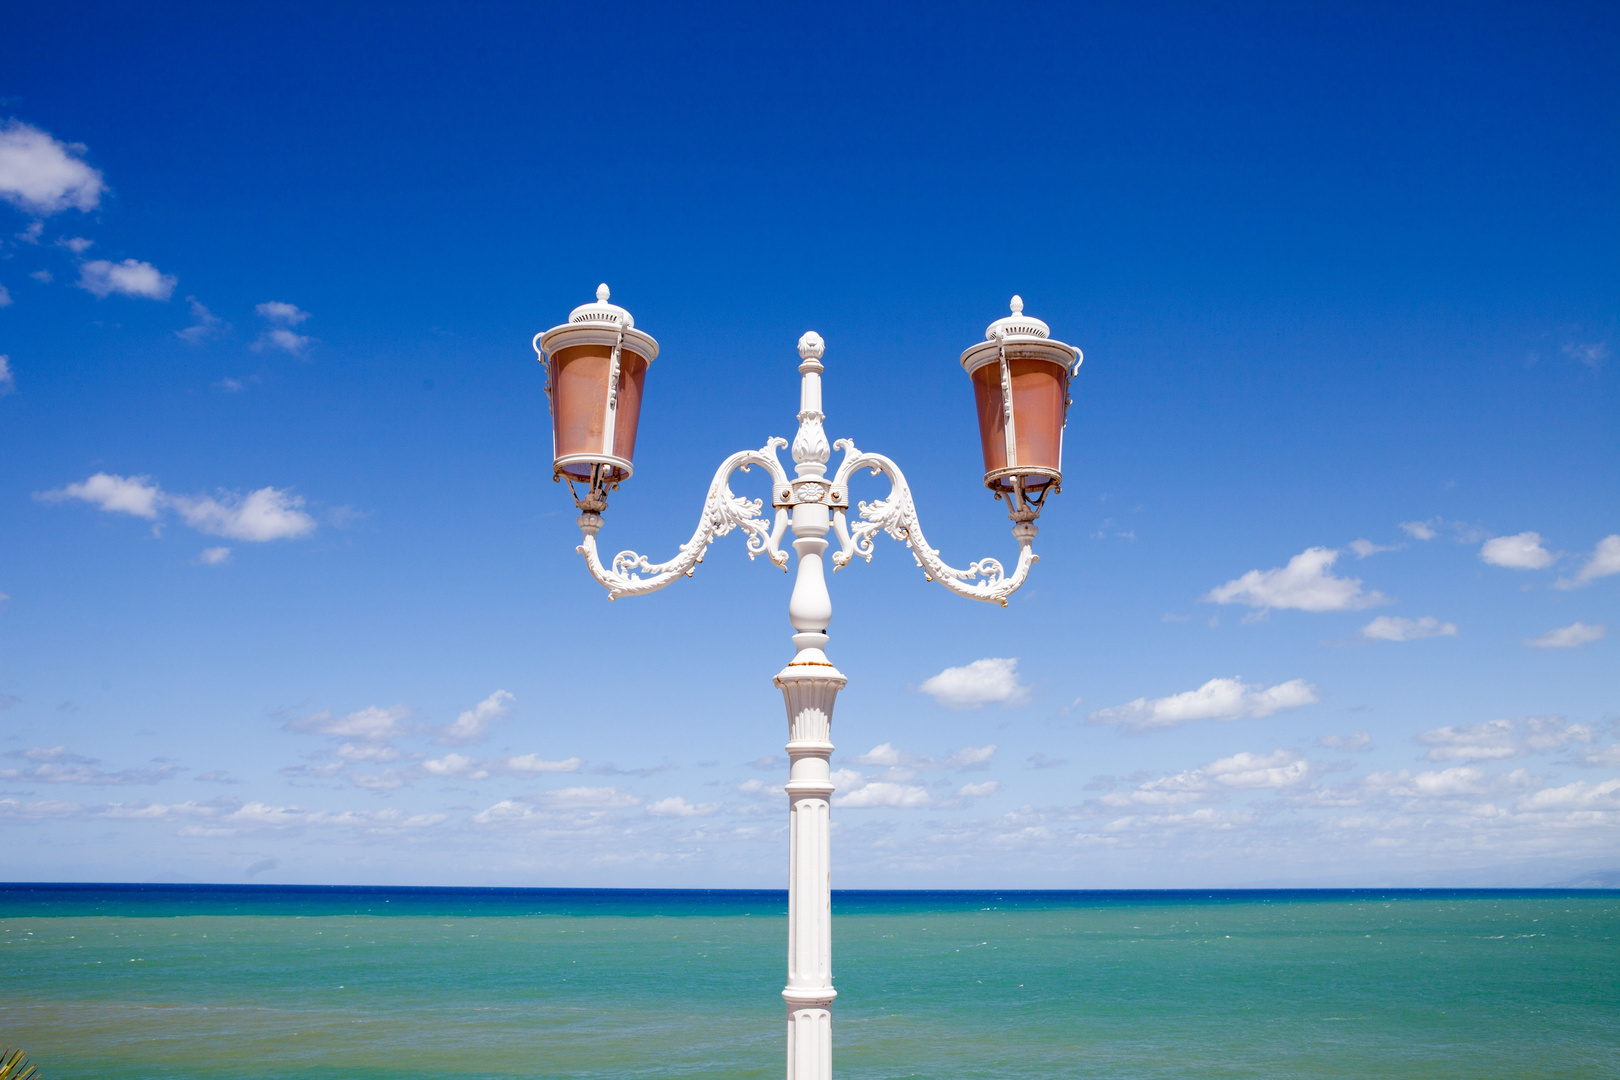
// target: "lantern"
[[1021, 385], [596, 368]]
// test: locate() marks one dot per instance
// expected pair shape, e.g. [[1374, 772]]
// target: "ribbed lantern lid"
[[602, 311], [1015, 324]]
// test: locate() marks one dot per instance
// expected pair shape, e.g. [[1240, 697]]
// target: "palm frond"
[[14, 1066]]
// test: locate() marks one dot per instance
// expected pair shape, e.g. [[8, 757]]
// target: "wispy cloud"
[[43, 176], [1305, 584], [1364, 548], [1592, 354], [282, 317], [1395, 628], [1244, 771], [1604, 561], [204, 324], [1357, 741], [1218, 699], [8, 381], [1502, 740], [1569, 637], [991, 681], [473, 725], [58, 765]]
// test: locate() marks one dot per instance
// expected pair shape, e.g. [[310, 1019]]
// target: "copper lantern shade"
[[1020, 380], [596, 365]]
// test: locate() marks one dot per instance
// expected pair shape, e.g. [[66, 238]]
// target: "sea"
[[208, 982]]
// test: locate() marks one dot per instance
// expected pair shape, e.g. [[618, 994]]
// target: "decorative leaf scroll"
[[896, 515], [631, 574]]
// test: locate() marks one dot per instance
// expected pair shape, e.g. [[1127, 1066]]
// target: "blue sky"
[[1331, 594]]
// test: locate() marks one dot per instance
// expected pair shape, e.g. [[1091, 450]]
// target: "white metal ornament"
[[812, 506]]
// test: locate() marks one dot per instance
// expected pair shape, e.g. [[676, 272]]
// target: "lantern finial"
[[602, 293], [811, 347], [1017, 304]]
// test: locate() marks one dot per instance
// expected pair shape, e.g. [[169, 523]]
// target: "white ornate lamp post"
[[597, 364]]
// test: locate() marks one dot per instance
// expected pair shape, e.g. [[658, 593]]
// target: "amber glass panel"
[[579, 378], [987, 394], [1039, 388], [632, 378]]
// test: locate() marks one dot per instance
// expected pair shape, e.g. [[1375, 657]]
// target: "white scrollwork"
[[897, 515], [631, 574], [810, 444]]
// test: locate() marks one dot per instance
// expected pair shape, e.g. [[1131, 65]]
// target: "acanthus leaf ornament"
[[630, 574], [985, 580]]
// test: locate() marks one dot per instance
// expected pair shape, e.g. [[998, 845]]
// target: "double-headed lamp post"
[[596, 366]]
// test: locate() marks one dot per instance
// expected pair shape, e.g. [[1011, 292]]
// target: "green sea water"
[[175, 982]]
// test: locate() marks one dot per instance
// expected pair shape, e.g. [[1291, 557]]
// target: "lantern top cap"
[[1017, 324], [811, 347], [602, 311]]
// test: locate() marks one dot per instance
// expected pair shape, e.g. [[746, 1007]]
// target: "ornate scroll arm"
[[630, 574], [897, 515]]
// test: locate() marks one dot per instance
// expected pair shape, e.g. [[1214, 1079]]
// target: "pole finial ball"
[[1017, 304], [811, 347], [602, 292]]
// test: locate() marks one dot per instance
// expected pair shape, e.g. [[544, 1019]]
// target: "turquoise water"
[[222, 982]]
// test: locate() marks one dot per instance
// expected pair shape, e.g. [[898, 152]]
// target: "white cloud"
[[1520, 552], [1278, 769], [1604, 561], [32, 234], [266, 514], [881, 754], [1304, 584], [283, 339], [978, 791], [42, 176], [677, 806], [899, 762], [8, 381], [1502, 740], [114, 494], [262, 515], [43, 276], [204, 324], [128, 278], [972, 757], [1356, 740], [283, 316], [1569, 637], [884, 793], [461, 767], [76, 244], [372, 723], [1421, 530], [277, 312], [547, 806], [1218, 699], [1577, 796], [1364, 548], [528, 764], [5, 296], [1395, 628], [992, 681], [214, 556], [473, 725]]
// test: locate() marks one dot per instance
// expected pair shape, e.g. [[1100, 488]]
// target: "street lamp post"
[[596, 365]]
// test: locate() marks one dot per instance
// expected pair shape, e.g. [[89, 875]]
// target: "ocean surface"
[[156, 982]]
